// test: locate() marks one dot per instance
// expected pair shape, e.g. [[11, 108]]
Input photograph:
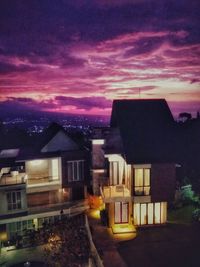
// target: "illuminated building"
[[133, 164], [40, 180]]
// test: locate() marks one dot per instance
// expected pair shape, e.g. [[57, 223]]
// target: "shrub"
[[196, 215]]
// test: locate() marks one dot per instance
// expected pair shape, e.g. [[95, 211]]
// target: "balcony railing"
[[115, 191], [37, 180], [10, 179], [141, 190]]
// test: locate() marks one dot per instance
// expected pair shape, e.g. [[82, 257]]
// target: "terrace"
[[115, 192], [13, 178]]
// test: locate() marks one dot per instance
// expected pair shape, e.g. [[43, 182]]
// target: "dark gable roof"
[[49, 133], [34, 150], [146, 128]]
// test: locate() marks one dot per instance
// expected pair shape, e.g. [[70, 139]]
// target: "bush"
[[188, 196], [196, 215]]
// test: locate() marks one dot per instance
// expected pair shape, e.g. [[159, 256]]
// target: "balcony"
[[73, 207], [13, 178], [115, 193]]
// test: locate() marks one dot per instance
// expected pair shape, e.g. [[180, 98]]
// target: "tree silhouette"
[[184, 116]]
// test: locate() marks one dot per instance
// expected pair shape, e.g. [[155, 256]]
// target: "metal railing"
[[11, 180], [95, 260], [41, 179], [113, 191]]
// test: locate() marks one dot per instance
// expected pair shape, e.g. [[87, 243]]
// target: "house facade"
[[39, 181], [133, 168]]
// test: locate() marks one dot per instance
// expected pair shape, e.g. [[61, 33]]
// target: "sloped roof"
[[146, 128], [51, 142]]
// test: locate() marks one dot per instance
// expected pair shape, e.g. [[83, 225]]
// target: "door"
[[121, 212]]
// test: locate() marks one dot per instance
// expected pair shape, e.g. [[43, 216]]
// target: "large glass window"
[[150, 213], [114, 173], [75, 170], [55, 169], [143, 209], [121, 212], [157, 212], [14, 200], [142, 182]]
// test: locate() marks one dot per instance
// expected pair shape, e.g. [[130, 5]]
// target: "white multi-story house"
[[39, 181], [133, 165]]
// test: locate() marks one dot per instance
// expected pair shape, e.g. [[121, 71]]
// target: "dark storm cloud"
[[63, 53], [38, 27], [145, 45], [8, 68], [86, 103]]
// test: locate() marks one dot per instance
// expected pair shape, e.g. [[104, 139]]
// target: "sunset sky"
[[77, 56]]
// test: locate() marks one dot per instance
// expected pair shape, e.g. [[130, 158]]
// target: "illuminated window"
[[143, 208], [55, 172], [14, 200], [75, 170], [157, 213], [150, 213], [136, 214], [163, 217], [142, 182], [121, 212], [114, 173]]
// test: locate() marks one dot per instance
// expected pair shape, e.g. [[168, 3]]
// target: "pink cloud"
[[114, 68]]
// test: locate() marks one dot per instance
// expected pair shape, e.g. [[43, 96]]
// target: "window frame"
[[121, 204], [114, 177], [161, 204], [14, 200], [77, 171], [143, 182]]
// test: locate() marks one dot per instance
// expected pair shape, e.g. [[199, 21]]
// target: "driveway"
[[174, 245]]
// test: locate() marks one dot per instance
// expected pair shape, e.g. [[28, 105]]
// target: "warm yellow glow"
[[157, 212], [124, 236], [123, 228], [150, 213], [137, 214], [54, 163], [115, 157], [143, 214], [95, 214], [54, 241], [163, 212], [3, 236], [14, 173], [98, 170], [142, 166], [116, 191], [35, 162], [98, 142]]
